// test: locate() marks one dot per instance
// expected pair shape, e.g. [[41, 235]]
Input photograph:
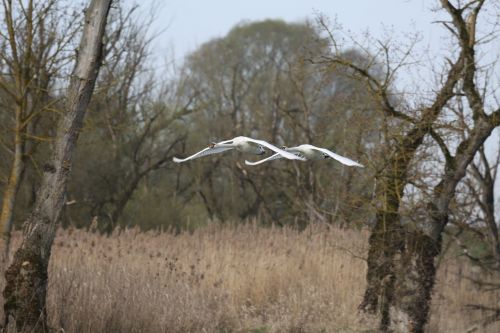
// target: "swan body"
[[310, 152], [242, 144]]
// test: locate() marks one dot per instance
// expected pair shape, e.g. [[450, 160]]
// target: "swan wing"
[[341, 159], [270, 158], [201, 153], [282, 152]]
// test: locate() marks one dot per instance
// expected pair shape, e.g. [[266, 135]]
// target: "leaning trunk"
[[26, 278], [10, 193]]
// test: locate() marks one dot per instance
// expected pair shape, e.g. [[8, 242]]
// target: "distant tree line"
[[256, 81]]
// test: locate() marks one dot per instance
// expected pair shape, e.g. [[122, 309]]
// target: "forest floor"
[[233, 279]]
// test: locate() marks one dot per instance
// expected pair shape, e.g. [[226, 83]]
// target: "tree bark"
[[387, 237], [26, 279], [10, 193]]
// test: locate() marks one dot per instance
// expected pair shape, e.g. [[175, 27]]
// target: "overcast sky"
[[189, 23]]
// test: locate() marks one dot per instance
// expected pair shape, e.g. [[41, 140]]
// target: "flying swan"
[[242, 144], [310, 152]]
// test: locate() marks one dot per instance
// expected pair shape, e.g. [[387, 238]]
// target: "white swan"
[[242, 144], [310, 152]]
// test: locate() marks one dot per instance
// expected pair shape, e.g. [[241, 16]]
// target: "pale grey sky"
[[190, 23]]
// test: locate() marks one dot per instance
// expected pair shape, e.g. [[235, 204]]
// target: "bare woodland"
[[90, 121]]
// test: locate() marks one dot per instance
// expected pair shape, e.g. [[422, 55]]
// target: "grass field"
[[232, 279]]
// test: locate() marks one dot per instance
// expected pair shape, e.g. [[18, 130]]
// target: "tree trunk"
[[384, 243], [387, 237], [417, 279], [10, 193], [26, 279], [489, 201]]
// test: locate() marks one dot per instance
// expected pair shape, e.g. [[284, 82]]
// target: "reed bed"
[[243, 278]]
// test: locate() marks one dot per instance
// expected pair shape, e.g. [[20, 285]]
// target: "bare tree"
[[33, 54], [26, 278], [401, 270], [464, 21], [129, 132]]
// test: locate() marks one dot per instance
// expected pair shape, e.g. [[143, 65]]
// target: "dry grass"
[[229, 279]]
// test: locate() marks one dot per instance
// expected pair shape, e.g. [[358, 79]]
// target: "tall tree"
[[128, 129], [27, 277], [485, 118], [401, 269]]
